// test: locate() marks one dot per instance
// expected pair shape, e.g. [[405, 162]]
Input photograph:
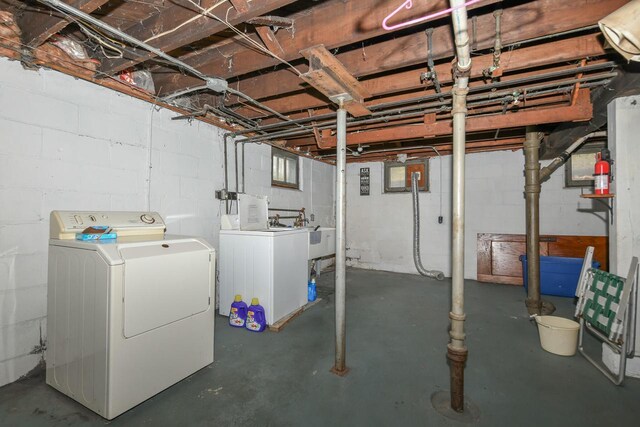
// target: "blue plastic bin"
[[558, 275]]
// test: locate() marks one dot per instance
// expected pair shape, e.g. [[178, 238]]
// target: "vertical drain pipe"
[[532, 186], [532, 197], [341, 244], [456, 349]]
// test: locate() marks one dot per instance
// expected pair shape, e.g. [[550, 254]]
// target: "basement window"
[[397, 176], [578, 171], [285, 169]]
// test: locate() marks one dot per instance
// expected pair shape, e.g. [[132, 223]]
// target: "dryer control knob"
[[148, 219]]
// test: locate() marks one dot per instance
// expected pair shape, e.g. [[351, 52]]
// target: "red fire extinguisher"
[[601, 175]]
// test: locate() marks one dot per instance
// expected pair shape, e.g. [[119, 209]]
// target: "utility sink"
[[322, 242]]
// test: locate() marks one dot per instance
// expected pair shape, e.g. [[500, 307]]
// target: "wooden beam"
[[549, 102], [240, 5], [581, 111], [198, 29], [268, 38], [518, 23], [320, 58], [38, 25], [333, 23], [272, 21], [331, 78], [279, 83]]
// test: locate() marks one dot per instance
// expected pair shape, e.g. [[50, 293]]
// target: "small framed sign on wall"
[[364, 181]]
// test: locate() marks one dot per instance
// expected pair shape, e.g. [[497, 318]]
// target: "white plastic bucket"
[[558, 335]]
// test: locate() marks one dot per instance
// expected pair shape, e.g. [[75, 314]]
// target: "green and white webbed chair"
[[606, 308]]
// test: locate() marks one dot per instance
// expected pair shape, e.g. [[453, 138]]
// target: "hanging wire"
[[244, 36], [188, 21], [100, 39]]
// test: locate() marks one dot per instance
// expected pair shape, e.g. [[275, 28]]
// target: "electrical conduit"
[[435, 274]]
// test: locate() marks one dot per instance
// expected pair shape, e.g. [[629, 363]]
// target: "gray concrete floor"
[[396, 346]]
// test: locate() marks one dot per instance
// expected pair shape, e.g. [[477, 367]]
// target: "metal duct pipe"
[[339, 367], [546, 172], [456, 350], [434, 274]]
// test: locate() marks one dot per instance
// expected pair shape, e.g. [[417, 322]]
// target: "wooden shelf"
[[597, 196]]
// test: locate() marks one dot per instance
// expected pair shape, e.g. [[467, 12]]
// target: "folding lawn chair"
[[607, 309]]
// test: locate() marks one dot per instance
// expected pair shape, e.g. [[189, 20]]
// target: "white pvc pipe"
[[341, 241]]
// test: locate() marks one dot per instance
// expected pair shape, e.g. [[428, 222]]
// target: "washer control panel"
[[64, 224]]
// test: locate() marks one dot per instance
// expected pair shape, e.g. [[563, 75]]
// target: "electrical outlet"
[[312, 217], [226, 195]]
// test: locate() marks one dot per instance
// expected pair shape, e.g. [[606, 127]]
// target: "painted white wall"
[[624, 239], [317, 185], [379, 226], [70, 144]]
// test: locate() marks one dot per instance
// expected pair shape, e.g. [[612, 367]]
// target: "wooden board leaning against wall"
[[498, 254]]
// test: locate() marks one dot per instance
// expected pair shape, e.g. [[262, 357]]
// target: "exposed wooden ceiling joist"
[[334, 23], [269, 40], [522, 22], [38, 25], [175, 16], [331, 78], [542, 43], [561, 51], [581, 111]]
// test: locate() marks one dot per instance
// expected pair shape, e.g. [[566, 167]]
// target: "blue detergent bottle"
[[238, 313], [256, 319], [311, 290]]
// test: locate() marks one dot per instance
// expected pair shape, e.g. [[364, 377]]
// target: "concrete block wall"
[[317, 186], [379, 226], [70, 144]]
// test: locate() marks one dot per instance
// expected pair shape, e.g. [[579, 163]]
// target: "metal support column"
[[454, 405], [341, 243], [457, 350]]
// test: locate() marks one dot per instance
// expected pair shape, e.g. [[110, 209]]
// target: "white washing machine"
[[127, 317], [269, 265]]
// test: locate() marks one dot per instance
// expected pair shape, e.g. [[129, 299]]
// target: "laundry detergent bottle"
[[311, 290], [238, 313], [256, 320]]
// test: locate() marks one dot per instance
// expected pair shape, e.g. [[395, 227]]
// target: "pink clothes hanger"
[[408, 4]]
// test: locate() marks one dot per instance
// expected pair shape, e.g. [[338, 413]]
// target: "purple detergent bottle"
[[256, 320], [238, 313]]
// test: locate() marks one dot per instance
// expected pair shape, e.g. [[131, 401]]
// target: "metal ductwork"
[[434, 274]]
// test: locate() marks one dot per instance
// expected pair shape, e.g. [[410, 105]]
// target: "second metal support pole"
[[341, 244]]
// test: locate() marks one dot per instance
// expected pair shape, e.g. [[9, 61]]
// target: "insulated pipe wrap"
[[435, 274]]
